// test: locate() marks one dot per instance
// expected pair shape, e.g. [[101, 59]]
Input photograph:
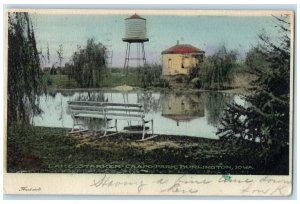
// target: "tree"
[[216, 71], [24, 73], [150, 76], [266, 117], [48, 54], [60, 54], [88, 66], [224, 64]]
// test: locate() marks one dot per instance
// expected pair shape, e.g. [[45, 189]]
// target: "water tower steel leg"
[[138, 54], [126, 57], [143, 52]]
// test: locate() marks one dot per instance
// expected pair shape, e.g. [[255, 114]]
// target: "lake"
[[173, 113]]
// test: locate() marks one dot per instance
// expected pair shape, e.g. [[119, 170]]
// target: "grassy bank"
[[60, 81], [41, 149], [117, 78]]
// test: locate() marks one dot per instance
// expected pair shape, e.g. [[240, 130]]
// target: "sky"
[[202, 31]]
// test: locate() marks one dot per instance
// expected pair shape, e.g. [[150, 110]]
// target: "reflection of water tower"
[[135, 32]]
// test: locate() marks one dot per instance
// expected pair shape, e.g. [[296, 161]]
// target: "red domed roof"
[[182, 49], [135, 16]]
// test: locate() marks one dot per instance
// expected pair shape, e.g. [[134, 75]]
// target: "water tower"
[[135, 32]]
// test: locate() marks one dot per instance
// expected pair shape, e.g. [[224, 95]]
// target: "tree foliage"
[[266, 117], [24, 76], [88, 65], [150, 76], [216, 71], [48, 54], [60, 54]]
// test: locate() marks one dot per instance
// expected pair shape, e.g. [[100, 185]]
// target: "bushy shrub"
[[180, 79], [193, 73], [163, 83], [197, 83], [150, 76], [216, 71]]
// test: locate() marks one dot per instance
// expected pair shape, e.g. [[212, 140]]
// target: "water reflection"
[[67, 93], [192, 114], [52, 93], [150, 101], [91, 96], [182, 107], [215, 103]]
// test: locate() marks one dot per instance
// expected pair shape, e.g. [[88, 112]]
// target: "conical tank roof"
[[135, 16]]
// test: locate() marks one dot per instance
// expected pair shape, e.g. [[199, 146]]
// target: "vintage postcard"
[[149, 102]]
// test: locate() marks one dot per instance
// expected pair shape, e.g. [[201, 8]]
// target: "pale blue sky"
[[204, 32]]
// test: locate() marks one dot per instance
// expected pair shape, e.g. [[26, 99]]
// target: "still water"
[[173, 113]]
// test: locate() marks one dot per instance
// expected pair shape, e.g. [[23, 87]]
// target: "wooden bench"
[[109, 112]]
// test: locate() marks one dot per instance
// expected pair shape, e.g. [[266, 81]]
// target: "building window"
[[169, 63], [185, 62]]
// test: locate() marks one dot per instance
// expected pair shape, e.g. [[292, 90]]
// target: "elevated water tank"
[[135, 29]]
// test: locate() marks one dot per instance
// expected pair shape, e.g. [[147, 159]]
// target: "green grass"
[[119, 78], [43, 149], [60, 81], [112, 79]]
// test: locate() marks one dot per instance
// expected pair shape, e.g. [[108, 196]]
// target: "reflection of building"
[[182, 107], [180, 58]]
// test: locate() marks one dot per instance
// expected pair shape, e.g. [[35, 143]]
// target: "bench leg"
[[74, 121], [109, 134], [143, 137], [144, 132], [152, 127], [77, 131], [73, 127], [104, 134], [105, 131], [106, 128]]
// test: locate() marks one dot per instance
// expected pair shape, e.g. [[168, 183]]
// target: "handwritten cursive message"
[[108, 182], [274, 187], [190, 185], [182, 185]]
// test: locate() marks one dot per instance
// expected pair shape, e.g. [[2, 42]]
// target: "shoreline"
[[138, 89], [66, 129], [52, 150]]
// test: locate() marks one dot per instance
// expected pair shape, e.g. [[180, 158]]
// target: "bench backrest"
[[106, 109]]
